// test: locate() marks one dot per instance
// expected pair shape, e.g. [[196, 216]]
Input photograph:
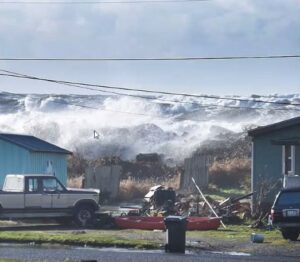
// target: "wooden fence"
[[196, 167], [105, 178]]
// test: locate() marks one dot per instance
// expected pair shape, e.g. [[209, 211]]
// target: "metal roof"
[[33, 143], [273, 127]]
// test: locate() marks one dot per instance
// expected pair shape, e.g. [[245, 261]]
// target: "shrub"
[[76, 165]]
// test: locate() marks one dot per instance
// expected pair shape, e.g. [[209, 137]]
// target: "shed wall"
[[267, 159], [17, 160], [39, 162], [13, 159]]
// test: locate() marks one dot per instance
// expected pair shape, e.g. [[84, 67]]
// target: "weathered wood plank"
[[105, 178], [197, 167]]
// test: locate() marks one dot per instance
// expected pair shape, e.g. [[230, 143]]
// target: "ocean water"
[[171, 125]]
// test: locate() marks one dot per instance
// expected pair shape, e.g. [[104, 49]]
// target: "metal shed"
[[275, 156], [24, 154]]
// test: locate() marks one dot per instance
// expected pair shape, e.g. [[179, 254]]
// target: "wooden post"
[[207, 202]]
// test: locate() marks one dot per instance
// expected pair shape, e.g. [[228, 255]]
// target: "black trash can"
[[175, 234]]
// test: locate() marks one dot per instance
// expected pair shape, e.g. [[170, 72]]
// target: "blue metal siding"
[[38, 162], [17, 160], [267, 158], [13, 159], [267, 166]]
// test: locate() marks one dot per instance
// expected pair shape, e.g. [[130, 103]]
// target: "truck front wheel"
[[84, 216]]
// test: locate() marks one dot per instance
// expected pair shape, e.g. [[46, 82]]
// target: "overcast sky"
[[208, 28]]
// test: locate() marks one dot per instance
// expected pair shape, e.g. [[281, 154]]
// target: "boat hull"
[[157, 223]]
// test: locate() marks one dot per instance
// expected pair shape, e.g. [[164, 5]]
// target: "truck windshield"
[[289, 198]]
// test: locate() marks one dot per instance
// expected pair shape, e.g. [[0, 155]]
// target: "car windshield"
[[289, 198]]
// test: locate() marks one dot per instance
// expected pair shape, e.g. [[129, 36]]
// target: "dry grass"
[[74, 182], [231, 172], [133, 188], [231, 165], [136, 188]]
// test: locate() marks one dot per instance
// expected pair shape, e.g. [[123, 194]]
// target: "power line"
[[98, 2], [109, 59], [122, 112], [118, 111], [155, 116], [150, 98], [186, 102], [92, 87], [172, 101]]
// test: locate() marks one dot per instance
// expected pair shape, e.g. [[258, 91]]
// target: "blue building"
[[22, 154], [275, 156]]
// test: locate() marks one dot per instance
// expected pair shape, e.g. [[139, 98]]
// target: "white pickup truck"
[[44, 196]]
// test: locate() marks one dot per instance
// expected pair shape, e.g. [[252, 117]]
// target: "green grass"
[[223, 193], [235, 237], [240, 233], [93, 238]]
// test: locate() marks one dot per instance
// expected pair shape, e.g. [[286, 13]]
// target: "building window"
[[288, 160]]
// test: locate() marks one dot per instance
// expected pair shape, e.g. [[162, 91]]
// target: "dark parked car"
[[285, 213]]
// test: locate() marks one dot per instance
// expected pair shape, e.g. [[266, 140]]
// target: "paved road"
[[31, 253]]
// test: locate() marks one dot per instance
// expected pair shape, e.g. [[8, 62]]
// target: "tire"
[[291, 234], [84, 216]]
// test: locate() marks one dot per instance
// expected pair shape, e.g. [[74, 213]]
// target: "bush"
[[76, 165], [234, 172]]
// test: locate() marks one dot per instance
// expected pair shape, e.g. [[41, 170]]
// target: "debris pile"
[[162, 201], [233, 210]]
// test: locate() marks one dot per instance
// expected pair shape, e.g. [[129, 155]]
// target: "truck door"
[[60, 198], [33, 196], [48, 189]]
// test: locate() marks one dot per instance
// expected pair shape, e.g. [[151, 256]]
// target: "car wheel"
[[290, 234], [84, 216]]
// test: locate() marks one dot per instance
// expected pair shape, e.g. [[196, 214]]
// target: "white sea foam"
[[129, 125]]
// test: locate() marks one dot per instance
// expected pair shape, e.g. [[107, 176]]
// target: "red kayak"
[[152, 223], [203, 223]]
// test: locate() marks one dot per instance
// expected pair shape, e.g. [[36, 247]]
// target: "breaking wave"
[[171, 125]]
